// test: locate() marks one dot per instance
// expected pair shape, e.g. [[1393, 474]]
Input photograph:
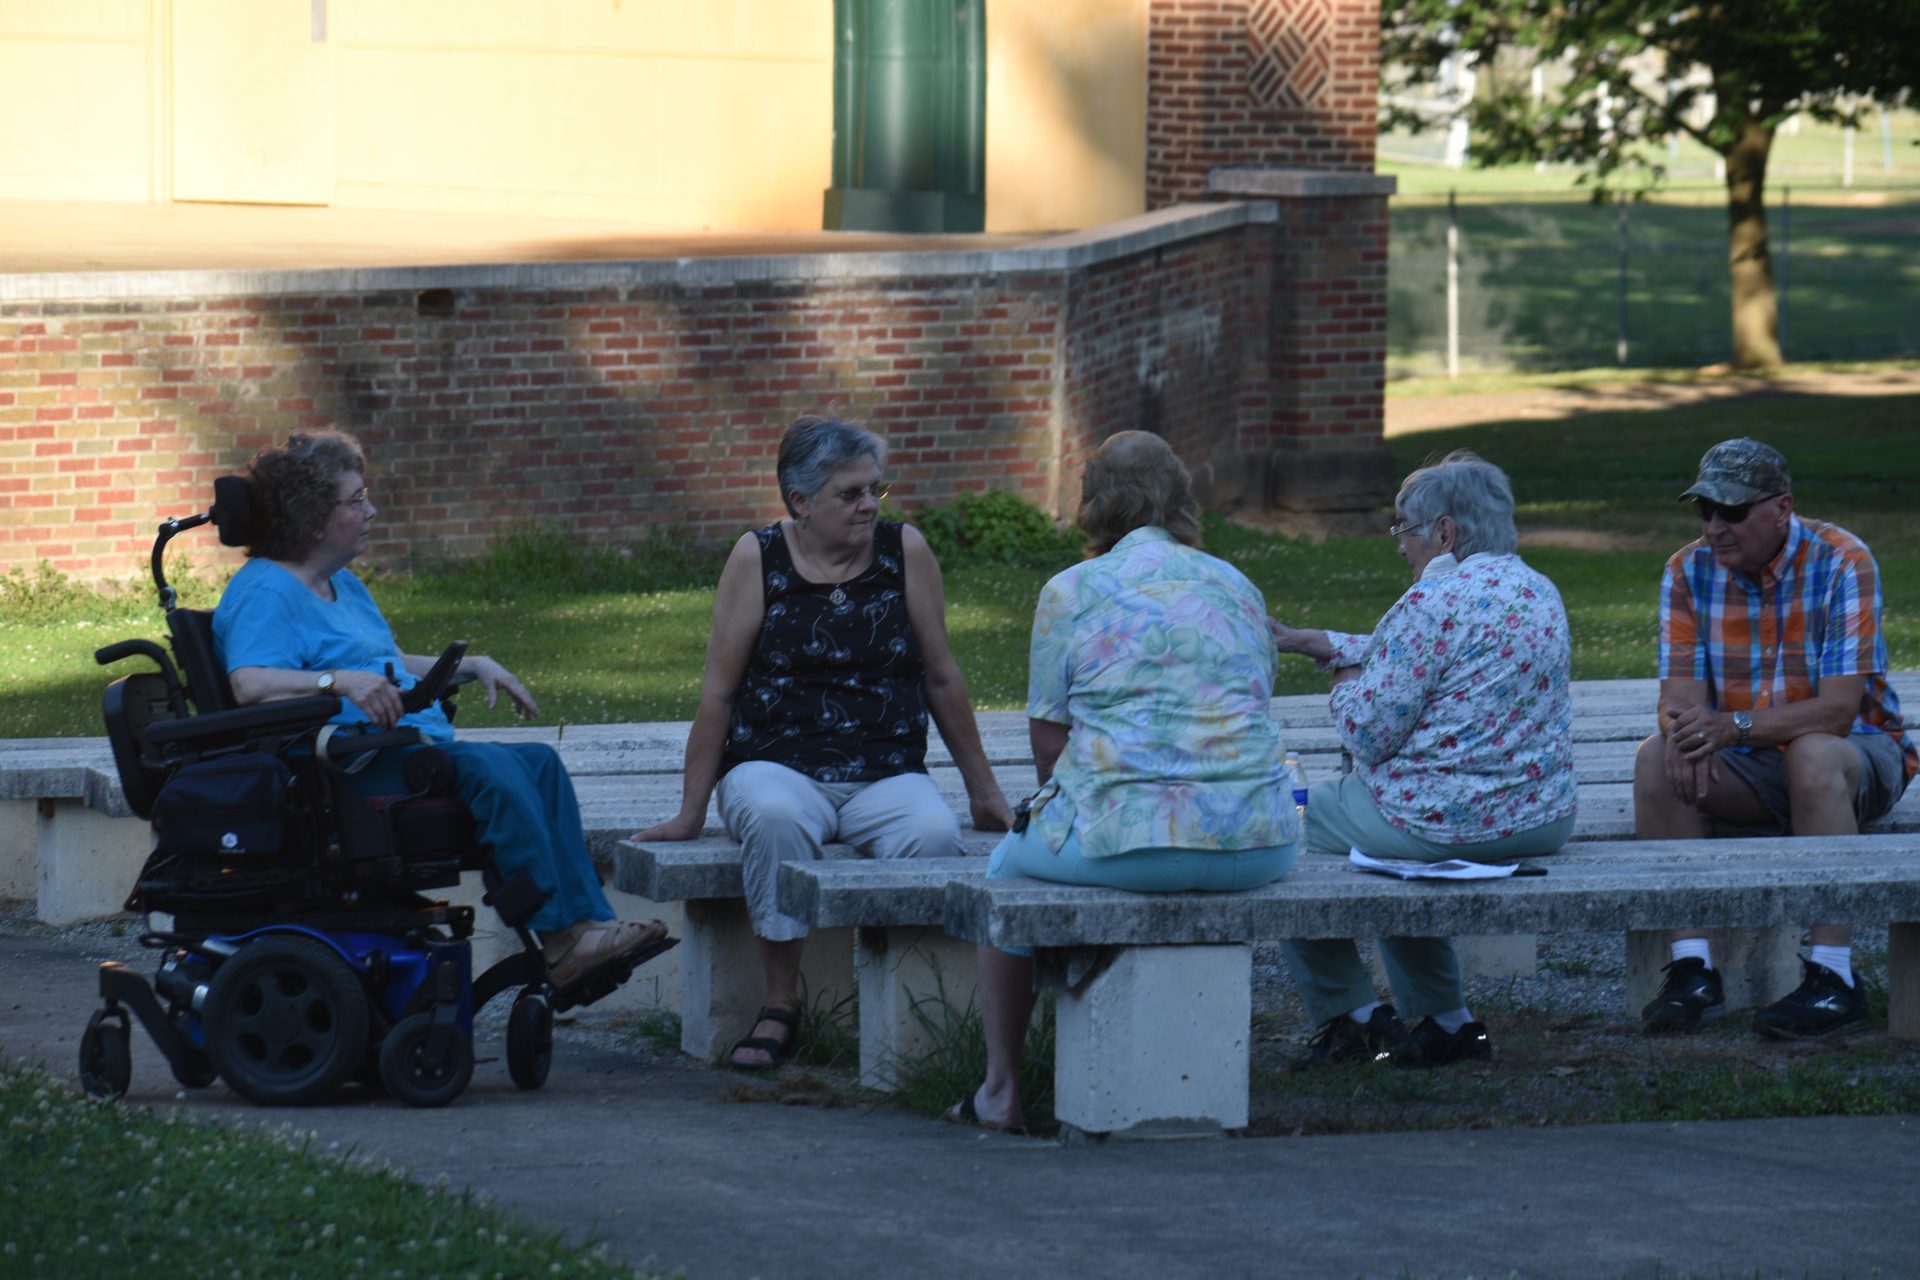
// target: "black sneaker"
[[1381, 1038], [1822, 1005], [1439, 1047], [1690, 998]]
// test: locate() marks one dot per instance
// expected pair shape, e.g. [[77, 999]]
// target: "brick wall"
[[621, 400], [1258, 83]]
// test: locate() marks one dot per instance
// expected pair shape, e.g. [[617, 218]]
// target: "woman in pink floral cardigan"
[[1458, 712]]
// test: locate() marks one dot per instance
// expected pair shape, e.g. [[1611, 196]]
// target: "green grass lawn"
[[101, 1190], [609, 638]]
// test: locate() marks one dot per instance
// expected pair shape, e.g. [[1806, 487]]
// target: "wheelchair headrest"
[[233, 510]]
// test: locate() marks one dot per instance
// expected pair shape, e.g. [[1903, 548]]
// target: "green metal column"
[[909, 116]]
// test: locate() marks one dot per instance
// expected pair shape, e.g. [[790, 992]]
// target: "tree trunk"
[[1756, 333]]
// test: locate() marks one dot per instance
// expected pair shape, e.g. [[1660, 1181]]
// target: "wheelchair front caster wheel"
[[530, 1041], [106, 1054], [417, 1075]]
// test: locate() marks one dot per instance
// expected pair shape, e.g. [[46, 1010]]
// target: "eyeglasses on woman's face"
[[358, 500], [877, 491], [1406, 528]]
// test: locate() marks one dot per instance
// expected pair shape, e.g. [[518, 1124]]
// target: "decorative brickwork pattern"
[[1258, 83], [1289, 52]]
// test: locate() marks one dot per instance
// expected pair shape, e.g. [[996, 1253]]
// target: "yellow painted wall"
[[1066, 112], [80, 110], [676, 113]]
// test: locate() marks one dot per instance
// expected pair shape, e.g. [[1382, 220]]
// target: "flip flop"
[[777, 1051], [585, 946], [965, 1112]]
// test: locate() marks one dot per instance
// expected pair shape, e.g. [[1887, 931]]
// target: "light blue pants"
[[1149, 870], [523, 804], [1424, 972]]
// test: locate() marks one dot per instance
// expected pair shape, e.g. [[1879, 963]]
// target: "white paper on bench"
[[1452, 869]]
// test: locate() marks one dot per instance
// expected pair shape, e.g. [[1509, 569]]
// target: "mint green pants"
[[1423, 972]]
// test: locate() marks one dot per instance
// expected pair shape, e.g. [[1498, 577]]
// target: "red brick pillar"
[[1286, 84], [1328, 464]]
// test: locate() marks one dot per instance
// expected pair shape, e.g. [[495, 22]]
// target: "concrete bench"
[[721, 985], [1156, 1040]]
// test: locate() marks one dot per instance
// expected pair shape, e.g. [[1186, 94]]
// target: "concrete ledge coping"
[[1659, 884], [1109, 241], [1299, 184]]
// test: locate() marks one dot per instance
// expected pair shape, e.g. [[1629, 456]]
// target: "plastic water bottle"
[[1297, 779]]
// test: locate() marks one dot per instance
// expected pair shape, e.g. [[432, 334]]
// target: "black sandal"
[[777, 1051]]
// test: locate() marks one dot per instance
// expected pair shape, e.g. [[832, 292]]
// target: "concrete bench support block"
[[87, 862], [722, 983], [1757, 966], [900, 968], [1903, 980], [19, 848], [1156, 1045]]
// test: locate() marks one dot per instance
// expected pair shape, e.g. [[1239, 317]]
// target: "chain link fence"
[[1538, 281]]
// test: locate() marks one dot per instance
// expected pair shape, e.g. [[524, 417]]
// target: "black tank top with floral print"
[[833, 689]]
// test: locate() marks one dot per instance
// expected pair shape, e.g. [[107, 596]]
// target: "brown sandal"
[[590, 943]]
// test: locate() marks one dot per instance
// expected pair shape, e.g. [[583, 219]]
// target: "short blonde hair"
[[1134, 480]]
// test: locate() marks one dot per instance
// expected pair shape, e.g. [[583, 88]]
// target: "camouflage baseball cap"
[[1737, 471]]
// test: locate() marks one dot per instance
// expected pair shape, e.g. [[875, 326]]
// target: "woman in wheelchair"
[[294, 622]]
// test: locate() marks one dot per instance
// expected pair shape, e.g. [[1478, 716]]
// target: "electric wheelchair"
[[299, 950]]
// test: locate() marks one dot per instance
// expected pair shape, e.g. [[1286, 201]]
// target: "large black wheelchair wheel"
[[418, 1072], [285, 1021], [106, 1054], [530, 1040]]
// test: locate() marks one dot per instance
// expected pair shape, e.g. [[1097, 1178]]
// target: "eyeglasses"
[[1707, 509], [877, 491], [359, 500], [1405, 527]]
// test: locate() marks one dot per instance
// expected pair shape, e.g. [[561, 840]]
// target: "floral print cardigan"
[[1461, 719]]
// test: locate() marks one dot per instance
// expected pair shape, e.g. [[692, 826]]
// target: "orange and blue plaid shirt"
[[1767, 641]]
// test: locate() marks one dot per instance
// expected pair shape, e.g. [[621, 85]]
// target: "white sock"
[[1364, 1014], [1695, 947], [1453, 1019], [1838, 959]]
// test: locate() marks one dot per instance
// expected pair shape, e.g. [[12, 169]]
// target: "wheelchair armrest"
[[341, 743], [262, 718]]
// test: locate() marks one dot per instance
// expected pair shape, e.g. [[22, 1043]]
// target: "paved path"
[[663, 1162]]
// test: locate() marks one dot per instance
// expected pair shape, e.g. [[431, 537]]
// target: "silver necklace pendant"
[[837, 596]]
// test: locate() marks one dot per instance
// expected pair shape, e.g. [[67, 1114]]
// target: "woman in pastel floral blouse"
[[1458, 712], [1149, 690]]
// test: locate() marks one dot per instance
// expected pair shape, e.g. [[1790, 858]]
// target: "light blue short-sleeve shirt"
[[1159, 659], [268, 618]]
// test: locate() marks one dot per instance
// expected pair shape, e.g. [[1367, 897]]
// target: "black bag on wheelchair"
[[232, 806]]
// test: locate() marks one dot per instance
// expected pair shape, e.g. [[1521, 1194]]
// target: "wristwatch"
[[325, 682], [1743, 721]]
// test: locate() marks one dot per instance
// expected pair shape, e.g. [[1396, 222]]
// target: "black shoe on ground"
[[1822, 1005], [1381, 1038], [1690, 998], [1439, 1047]]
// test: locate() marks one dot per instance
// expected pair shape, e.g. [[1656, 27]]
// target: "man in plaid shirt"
[[1775, 714]]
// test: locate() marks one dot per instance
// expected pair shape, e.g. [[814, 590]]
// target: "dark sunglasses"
[[1707, 509]]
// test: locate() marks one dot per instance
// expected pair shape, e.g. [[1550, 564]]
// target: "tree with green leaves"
[[1725, 74]]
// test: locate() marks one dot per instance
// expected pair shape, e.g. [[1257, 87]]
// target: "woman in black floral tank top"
[[828, 654]]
